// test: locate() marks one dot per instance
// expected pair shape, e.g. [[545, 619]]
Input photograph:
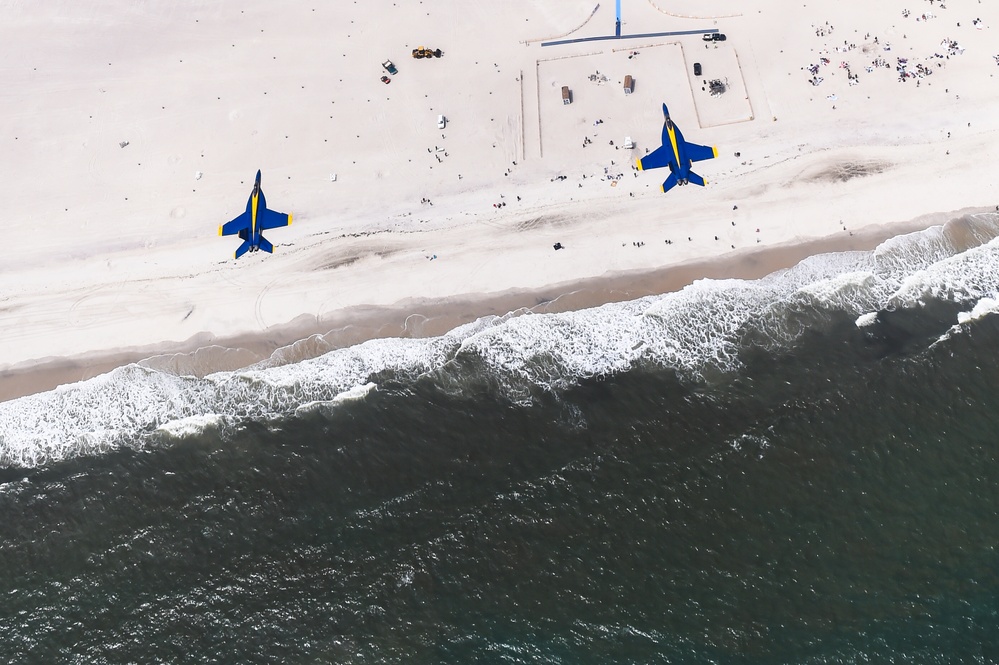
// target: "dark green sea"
[[799, 469]]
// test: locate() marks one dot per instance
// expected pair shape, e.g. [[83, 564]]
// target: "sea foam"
[[703, 326]]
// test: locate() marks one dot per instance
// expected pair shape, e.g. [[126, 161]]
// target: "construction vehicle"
[[423, 52]]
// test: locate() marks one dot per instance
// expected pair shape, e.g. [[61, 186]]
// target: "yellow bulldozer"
[[423, 52]]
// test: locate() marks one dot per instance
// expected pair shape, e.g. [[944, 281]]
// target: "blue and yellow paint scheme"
[[677, 154], [257, 218]]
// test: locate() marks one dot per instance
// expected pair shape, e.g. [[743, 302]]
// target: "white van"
[[441, 122]]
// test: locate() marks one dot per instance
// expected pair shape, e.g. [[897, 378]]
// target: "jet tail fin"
[[696, 179], [670, 183], [265, 245], [242, 249]]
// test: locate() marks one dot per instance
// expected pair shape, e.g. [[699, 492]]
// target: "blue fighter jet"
[[257, 218], [677, 154]]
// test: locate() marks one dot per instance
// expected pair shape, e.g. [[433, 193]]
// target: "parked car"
[[441, 122], [386, 79], [390, 67], [697, 69]]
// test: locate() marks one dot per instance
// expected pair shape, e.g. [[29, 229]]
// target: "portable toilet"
[[629, 85], [566, 95]]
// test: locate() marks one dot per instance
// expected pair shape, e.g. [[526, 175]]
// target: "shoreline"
[[204, 353]]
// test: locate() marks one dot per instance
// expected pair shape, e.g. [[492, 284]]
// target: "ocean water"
[[798, 469]]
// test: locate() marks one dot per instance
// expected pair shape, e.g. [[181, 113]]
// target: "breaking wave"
[[703, 327]]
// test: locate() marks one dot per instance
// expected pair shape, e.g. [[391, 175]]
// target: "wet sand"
[[309, 338]]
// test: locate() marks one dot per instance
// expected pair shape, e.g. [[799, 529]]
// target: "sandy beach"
[[132, 132]]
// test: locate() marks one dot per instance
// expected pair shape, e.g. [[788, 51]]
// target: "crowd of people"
[[907, 68]]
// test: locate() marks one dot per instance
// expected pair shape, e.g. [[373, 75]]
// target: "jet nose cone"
[[258, 176], [665, 111]]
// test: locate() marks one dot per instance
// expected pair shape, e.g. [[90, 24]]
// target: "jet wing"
[[235, 226], [696, 153], [661, 156], [272, 220]]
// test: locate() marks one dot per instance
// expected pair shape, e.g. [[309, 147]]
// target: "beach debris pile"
[[598, 78]]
